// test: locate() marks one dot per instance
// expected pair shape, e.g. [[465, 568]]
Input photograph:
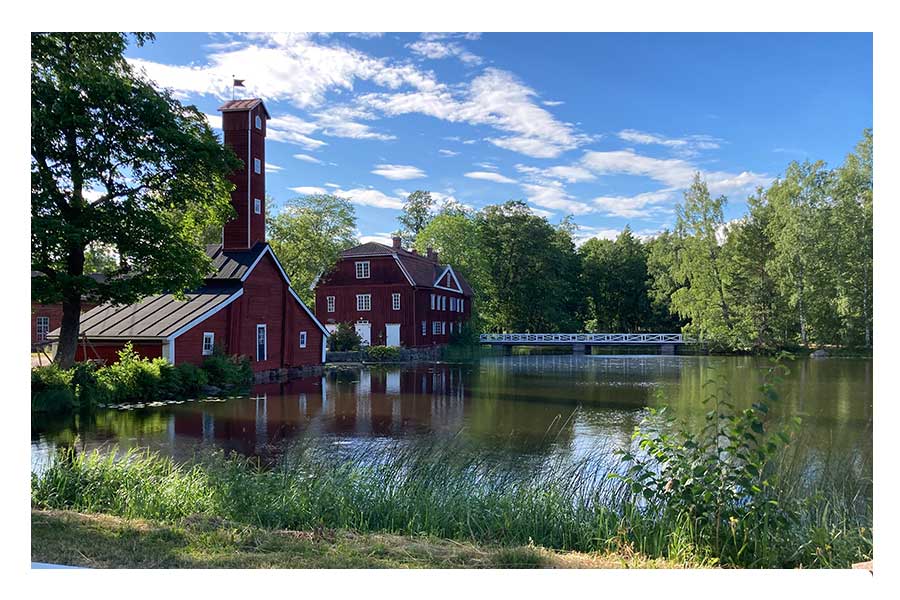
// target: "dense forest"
[[796, 269]]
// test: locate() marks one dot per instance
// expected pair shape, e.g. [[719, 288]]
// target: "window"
[[452, 305], [257, 166], [443, 327], [260, 342], [432, 302], [424, 328], [436, 327], [329, 301], [462, 304], [257, 205], [209, 339], [443, 302], [258, 122], [395, 301], [303, 339], [362, 270], [364, 302], [43, 328]]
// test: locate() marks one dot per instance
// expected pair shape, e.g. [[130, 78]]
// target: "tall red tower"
[[244, 125]]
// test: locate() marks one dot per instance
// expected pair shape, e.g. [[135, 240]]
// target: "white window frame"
[[265, 341], [42, 331], [257, 166], [443, 327], [452, 304], [303, 339], [258, 122], [443, 302], [424, 328], [211, 337], [462, 305], [395, 301], [329, 303], [367, 299], [432, 301], [435, 328], [363, 269], [257, 206]]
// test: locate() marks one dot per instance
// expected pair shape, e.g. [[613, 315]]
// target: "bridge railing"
[[582, 338]]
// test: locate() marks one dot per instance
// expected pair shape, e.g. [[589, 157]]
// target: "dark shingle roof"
[[155, 316], [421, 269], [232, 264]]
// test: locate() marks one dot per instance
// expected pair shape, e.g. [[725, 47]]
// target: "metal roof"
[[233, 264], [243, 105], [421, 269]]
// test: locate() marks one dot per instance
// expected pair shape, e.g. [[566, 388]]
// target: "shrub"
[[221, 369], [133, 377], [191, 378], [51, 389], [344, 338], [383, 353], [88, 389]]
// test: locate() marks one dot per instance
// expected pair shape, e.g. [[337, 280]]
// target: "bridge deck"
[[581, 338]]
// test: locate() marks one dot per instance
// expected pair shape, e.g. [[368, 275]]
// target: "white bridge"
[[582, 342], [581, 338]]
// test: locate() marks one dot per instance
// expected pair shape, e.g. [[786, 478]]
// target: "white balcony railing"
[[582, 338]]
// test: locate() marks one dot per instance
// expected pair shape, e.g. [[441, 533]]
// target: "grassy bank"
[[447, 493], [104, 541]]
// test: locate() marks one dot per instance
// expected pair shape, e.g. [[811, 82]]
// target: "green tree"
[[308, 235], [115, 162], [662, 252], [415, 216]]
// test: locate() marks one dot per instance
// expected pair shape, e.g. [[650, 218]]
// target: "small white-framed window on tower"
[[303, 339], [258, 122], [257, 206], [43, 328], [363, 271], [260, 342], [257, 166], [364, 302], [395, 301], [209, 340], [329, 303]]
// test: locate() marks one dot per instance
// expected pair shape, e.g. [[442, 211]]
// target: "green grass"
[[451, 493], [103, 541]]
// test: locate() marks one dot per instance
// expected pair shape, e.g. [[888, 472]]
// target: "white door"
[[364, 330], [392, 334]]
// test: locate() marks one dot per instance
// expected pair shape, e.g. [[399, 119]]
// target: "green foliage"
[[51, 390], [344, 338], [228, 370], [115, 164], [415, 216], [308, 235], [383, 353]]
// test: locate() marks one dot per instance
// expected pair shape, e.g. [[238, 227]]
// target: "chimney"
[[396, 241], [244, 129], [432, 255]]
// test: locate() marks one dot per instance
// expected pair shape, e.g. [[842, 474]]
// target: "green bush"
[[228, 370], [344, 338], [51, 390], [133, 377], [191, 378], [88, 389], [383, 353]]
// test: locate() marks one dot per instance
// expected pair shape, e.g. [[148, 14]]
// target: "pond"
[[529, 409]]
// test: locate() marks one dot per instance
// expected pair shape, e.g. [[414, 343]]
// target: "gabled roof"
[[233, 264], [243, 105], [158, 316], [420, 270]]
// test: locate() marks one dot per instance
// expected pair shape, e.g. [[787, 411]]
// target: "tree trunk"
[[71, 318]]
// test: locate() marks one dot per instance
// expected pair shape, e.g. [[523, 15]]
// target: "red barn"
[[246, 306], [394, 297]]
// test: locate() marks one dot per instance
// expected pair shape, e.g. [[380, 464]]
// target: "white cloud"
[[270, 168], [398, 171], [370, 197], [689, 144], [340, 121], [332, 185], [673, 172], [632, 206], [555, 197], [489, 176], [366, 35], [291, 129], [308, 158], [539, 212], [585, 233], [308, 190], [487, 165], [437, 50], [552, 102], [215, 121], [380, 237], [448, 152]]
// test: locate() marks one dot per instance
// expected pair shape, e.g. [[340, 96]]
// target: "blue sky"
[[606, 127]]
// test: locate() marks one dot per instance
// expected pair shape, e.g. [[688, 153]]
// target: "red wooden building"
[[393, 296], [245, 307]]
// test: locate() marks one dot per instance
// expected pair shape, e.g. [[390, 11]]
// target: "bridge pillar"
[[580, 349], [507, 349], [667, 349]]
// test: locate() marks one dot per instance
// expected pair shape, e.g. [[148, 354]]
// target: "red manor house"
[[394, 297], [245, 307]]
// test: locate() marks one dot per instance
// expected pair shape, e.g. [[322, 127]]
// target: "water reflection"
[[521, 407]]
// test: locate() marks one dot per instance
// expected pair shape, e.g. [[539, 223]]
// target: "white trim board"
[[170, 340], [449, 269]]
